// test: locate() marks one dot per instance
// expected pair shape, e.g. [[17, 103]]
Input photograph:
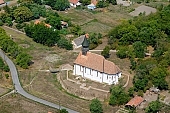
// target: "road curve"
[[21, 91]]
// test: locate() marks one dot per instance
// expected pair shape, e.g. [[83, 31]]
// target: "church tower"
[[85, 45]]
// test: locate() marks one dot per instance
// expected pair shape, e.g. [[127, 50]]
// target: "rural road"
[[21, 91]]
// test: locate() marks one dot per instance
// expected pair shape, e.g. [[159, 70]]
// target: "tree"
[[59, 5], [64, 43], [113, 2], [85, 2], [54, 21], [96, 106], [122, 52], [153, 107], [118, 96], [139, 49], [158, 76], [23, 60], [131, 91], [102, 4], [63, 111], [37, 1], [106, 52], [22, 14], [42, 34]]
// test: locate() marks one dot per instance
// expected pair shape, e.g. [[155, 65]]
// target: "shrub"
[[92, 46], [6, 68], [7, 76]]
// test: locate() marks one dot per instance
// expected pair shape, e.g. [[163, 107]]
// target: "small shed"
[[135, 102]]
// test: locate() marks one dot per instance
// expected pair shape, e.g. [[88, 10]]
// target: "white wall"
[[95, 75], [78, 70]]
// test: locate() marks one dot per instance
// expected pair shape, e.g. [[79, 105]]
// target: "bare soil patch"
[[142, 9]]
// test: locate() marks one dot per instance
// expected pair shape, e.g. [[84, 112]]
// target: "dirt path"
[[104, 43]]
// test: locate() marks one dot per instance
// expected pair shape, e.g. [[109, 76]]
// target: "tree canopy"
[[22, 14], [118, 96], [96, 106], [59, 5], [7, 45]]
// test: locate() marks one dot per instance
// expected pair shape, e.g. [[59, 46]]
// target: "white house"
[[93, 4], [74, 3], [95, 67]]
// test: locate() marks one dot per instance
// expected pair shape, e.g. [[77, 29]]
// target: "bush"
[[92, 46], [64, 43], [6, 68], [130, 10], [106, 52], [140, 93], [1, 23], [7, 76], [100, 41], [96, 106], [20, 26]]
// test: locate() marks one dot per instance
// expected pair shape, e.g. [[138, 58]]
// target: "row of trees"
[[3, 66], [10, 47]]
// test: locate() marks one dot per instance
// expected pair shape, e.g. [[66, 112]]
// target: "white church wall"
[[96, 75]]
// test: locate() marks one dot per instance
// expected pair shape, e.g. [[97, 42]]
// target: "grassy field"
[[18, 104], [100, 21]]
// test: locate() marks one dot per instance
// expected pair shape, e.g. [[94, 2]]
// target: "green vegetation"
[[63, 111], [47, 34], [22, 14], [59, 5], [94, 40], [106, 52], [118, 96], [96, 106], [131, 39], [8, 46], [153, 107]]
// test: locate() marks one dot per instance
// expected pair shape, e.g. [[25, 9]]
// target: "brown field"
[[18, 104]]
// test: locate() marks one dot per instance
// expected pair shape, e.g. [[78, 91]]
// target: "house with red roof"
[[95, 67], [74, 3], [93, 4], [2, 2], [135, 102], [38, 22]]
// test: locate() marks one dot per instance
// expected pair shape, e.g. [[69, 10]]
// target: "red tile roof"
[[97, 62], [137, 100], [73, 1], [2, 1], [94, 2], [38, 22]]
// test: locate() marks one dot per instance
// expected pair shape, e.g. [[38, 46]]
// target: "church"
[[95, 67]]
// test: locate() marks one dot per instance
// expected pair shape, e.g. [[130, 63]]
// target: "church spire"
[[85, 45]]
